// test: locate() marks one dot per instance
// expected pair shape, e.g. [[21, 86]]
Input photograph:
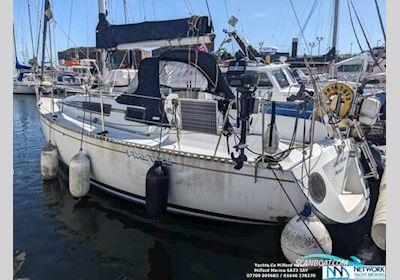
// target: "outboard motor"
[[248, 85], [157, 186]]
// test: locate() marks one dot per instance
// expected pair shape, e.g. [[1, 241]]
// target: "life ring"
[[344, 96]]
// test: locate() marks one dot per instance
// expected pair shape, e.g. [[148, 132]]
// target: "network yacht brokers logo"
[[337, 268], [375, 272], [335, 272]]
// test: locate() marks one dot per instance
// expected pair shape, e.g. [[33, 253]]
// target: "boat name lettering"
[[145, 156]]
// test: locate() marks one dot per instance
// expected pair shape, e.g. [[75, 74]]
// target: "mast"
[[47, 16], [102, 8], [15, 44], [334, 38], [125, 11], [103, 52], [30, 27], [335, 24], [126, 22]]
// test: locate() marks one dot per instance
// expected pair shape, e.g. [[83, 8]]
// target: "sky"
[[267, 22]]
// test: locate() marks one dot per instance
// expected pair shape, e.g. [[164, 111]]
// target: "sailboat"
[[24, 81], [255, 177], [27, 79]]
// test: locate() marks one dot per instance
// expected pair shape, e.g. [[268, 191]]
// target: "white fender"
[[378, 229], [49, 162], [79, 175]]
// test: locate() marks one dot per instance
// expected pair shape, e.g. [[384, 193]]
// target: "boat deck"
[[188, 142]]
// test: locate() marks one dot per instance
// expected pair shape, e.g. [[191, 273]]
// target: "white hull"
[[200, 187], [208, 186], [24, 89]]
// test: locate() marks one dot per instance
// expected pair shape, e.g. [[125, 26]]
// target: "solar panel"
[[199, 115]]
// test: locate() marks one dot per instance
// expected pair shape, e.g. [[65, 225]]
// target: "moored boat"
[[129, 132]]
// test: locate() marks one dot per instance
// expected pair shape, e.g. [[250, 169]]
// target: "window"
[[350, 68], [295, 74], [289, 76], [179, 75], [264, 81], [280, 78]]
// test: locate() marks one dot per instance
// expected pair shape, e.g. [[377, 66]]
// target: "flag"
[[47, 11], [202, 48]]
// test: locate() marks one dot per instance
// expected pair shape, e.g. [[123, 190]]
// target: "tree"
[[225, 55], [239, 54], [253, 50]]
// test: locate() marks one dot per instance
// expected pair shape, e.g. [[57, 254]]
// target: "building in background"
[[206, 48], [117, 59]]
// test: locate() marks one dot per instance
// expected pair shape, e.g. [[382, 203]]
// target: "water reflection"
[[125, 238], [102, 237]]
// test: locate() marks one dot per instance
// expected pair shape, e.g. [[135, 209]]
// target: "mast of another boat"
[[15, 46], [32, 41], [334, 38], [47, 16], [126, 22], [103, 55], [103, 52]]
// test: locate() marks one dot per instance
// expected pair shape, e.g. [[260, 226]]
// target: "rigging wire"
[[316, 87], [131, 13], [30, 27], [353, 27], [226, 10], [309, 16], [70, 19], [380, 20], [319, 21], [188, 7], [87, 29], [154, 10], [144, 10], [365, 36], [288, 27], [301, 29], [241, 25], [331, 16], [229, 26], [40, 19], [140, 10], [209, 12], [69, 39]]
